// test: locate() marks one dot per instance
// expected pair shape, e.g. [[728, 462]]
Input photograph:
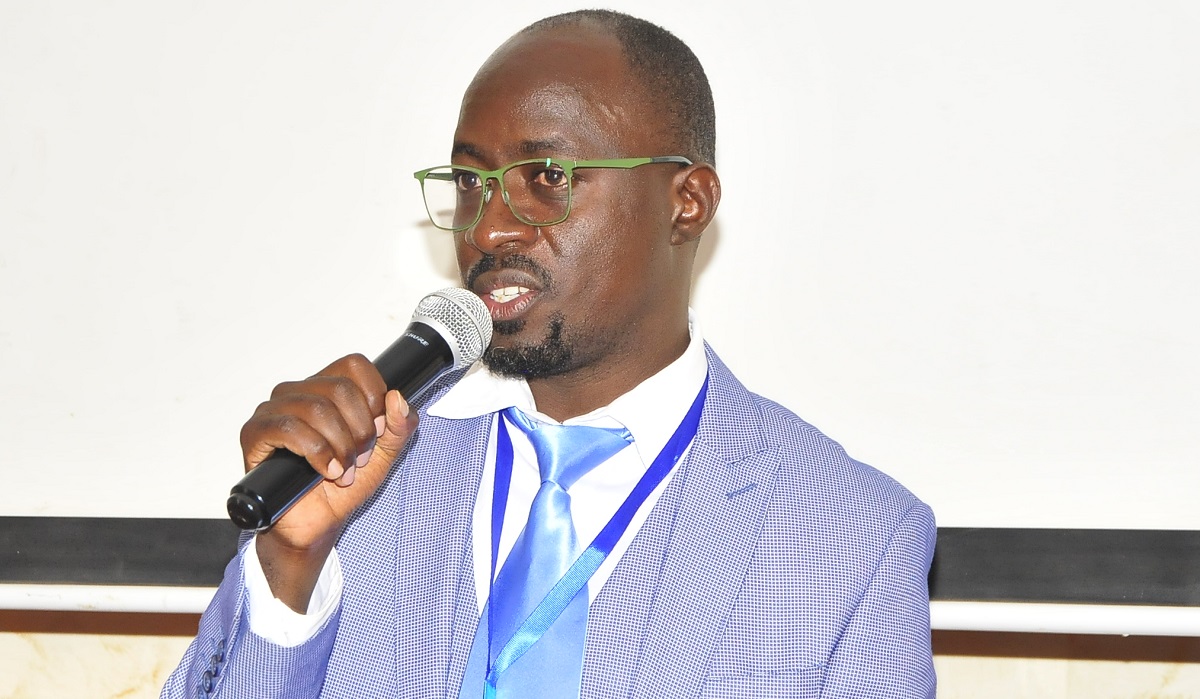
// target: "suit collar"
[[731, 427], [669, 597]]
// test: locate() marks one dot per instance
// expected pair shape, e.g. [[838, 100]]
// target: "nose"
[[498, 228]]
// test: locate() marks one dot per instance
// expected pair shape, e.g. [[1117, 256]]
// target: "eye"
[[550, 176], [465, 180]]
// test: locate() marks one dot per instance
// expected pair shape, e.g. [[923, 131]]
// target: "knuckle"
[[321, 410], [344, 390], [253, 427], [282, 389], [289, 425], [367, 377], [357, 361], [350, 365]]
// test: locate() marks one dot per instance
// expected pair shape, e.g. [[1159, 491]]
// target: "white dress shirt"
[[651, 412]]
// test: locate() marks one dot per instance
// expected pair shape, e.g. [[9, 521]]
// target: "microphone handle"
[[270, 489]]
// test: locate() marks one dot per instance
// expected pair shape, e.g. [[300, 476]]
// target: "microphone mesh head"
[[462, 319]]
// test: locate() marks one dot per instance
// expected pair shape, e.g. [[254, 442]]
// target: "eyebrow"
[[526, 148], [539, 147], [466, 149]]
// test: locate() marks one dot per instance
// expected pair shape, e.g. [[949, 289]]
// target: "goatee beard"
[[550, 357]]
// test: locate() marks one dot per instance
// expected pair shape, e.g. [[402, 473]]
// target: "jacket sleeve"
[[227, 659], [886, 650]]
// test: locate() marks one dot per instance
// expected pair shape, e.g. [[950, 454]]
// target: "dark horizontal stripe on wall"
[[115, 551], [1090, 566], [1095, 566]]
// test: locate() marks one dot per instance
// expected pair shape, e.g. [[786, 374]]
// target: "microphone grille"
[[464, 320]]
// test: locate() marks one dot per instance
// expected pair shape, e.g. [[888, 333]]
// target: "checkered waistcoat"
[[774, 565]]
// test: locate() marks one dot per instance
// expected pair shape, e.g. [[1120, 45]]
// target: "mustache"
[[515, 261]]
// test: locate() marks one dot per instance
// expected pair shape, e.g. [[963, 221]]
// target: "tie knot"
[[566, 452]]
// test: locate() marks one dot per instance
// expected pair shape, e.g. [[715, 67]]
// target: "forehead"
[[567, 90]]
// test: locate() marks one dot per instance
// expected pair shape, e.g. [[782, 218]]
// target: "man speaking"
[[598, 508]]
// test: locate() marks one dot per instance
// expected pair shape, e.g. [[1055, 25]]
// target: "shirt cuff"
[[273, 620]]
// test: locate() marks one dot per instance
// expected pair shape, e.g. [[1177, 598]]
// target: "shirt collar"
[[651, 411]]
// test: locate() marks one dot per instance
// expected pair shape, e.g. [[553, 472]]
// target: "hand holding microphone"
[[340, 422]]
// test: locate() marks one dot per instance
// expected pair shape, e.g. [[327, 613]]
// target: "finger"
[[363, 373], [344, 432], [332, 418], [349, 412], [267, 431], [355, 385], [400, 423]]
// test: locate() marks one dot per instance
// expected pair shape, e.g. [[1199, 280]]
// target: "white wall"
[[961, 238]]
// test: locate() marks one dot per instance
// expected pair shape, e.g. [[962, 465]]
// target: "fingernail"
[[403, 405], [380, 423], [347, 477], [363, 458], [335, 469]]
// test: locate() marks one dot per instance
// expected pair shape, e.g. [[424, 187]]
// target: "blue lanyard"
[[557, 599]]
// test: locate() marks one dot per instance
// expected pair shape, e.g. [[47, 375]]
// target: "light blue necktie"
[[543, 552]]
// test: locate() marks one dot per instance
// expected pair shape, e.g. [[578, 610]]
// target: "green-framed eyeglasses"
[[537, 191]]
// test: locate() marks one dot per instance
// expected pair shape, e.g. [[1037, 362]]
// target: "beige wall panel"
[[37, 661]]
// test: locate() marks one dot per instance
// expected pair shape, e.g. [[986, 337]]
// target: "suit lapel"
[[435, 589], [657, 619], [719, 516]]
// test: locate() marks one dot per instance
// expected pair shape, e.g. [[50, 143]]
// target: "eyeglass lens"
[[538, 194]]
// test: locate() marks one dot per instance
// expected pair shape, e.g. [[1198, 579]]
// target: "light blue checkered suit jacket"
[[774, 565]]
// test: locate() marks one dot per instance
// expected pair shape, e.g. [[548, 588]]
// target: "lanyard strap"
[[588, 562]]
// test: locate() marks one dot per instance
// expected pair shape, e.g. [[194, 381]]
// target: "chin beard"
[[550, 357]]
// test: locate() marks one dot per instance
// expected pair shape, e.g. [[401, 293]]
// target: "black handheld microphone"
[[449, 330]]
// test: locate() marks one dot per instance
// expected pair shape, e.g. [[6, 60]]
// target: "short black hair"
[[665, 66]]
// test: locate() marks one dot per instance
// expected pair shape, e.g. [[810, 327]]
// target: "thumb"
[[399, 422]]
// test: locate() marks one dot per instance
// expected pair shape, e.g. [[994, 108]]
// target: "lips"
[[507, 293], [508, 284]]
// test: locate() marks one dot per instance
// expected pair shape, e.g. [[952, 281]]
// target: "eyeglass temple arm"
[[632, 162]]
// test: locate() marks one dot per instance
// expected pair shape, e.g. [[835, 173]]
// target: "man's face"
[[603, 290]]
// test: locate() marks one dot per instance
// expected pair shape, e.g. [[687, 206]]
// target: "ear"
[[697, 194]]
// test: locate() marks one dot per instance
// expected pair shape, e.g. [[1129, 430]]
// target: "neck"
[[586, 388]]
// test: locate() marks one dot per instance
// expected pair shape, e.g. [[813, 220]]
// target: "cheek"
[[611, 269], [616, 224], [593, 248]]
